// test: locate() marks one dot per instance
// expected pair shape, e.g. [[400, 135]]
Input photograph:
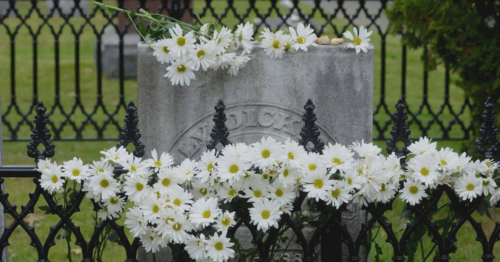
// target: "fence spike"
[[130, 132], [219, 132], [400, 132], [40, 135], [310, 132], [488, 132]]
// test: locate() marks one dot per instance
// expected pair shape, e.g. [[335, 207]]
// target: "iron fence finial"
[[40, 135], [400, 132], [488, 132], [219, 132], [310, 132], [130, 132]]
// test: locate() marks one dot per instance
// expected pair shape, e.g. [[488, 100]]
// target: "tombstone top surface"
[[266, 98]]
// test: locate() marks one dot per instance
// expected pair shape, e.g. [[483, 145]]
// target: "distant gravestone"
[[5, 10], [67, 6], [265, 99]]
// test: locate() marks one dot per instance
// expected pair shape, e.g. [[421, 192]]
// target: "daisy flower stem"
[[136, 29]]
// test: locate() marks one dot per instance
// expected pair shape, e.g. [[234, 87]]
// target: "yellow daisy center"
[[257, 193], [287, 47], [177, 202], [276, 44], [177, 227], [349, 181], [226, 222], [156, 209], [101, 170], [139, 186], [356, 41], [203, 191], [233, 169], [265, 214], [232, 192], [312, 167], [318, 183], [133, 169], [486, 182], [219, 246], [165, 182], [413, 190], [336, 161], [181, 41], [266, 153], [301, 40], [443, 163], [279, 192], [382, 188], [210, 167], [165, 49], [181, 68], [200, 53], [470, 187], [157, 163], [285, 172], [104, 183], [55, 179], [76, 172], [113, 200], [207, 214], [291, 156], [424, 171], [336, 193]]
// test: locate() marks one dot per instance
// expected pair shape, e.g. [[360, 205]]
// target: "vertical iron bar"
[[35, 72], [403, 74]]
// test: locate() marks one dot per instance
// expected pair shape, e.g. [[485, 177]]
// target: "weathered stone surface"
[[3, 219], [110, 54], [265, 99], [66, 7]]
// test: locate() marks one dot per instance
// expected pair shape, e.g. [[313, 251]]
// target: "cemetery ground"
[[15, 152]]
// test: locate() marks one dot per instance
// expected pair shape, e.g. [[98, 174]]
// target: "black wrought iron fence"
[[52, 51], [331, 242]]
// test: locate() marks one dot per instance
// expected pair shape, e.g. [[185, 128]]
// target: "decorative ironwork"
[[130, 132], [354, 244], [40, 135], [488, 143], [400, 132], [310, 132], [271, 13], [219, 133]]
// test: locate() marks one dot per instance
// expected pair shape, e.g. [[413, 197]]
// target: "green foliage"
[[463, 34]]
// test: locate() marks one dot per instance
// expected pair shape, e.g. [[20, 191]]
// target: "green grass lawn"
[[15, 152]]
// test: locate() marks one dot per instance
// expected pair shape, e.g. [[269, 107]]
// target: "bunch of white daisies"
[[188, 53], [179, 204]]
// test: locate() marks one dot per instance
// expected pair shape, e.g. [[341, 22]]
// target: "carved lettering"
[[250, 117], [266, 118], [234, 120]]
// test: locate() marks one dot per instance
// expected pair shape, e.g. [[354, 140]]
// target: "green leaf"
[[378, 251], [64, 235], [45, 209], [113, 237], [143, 29]]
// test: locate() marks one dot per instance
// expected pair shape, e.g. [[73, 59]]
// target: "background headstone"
[[66, 7], [3, 219], [265, 99], [5, 10]]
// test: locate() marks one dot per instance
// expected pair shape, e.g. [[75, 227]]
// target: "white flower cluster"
[[176, 204], [187, 56]]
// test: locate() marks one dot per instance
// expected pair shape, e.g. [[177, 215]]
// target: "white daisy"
[[135, 222], [51, 179], [203, 56], [134, 165], [413, 192], [256, 191], [244, 37], [206, 165], [168, 180], [178, 228], [180, 45], [231, 168], [165, 160], [151, 241], [224, 221], [115, 154], [228, 193], [488, 185], [353, 180], [338, 157], [201, 190], [422, 146], [447, 159], [114, 204], [288, 42], [44, 164], [281, 194], [104, 184], [152, 207], [162, 51], [195, 247], [364, 150], [104, 214], [76, 170], [293, 152], [338, 195], [463, 162], [218, 248], [424, 168], [222, 40], [135, 188], [386, 192], [316, 184], [468, 187], [180, 72], [101, 166], [204, 211], [288, 175], [187, 168], [237, 63], [273, 43], [179, 199], [265, 214], [304, 37], [312, 162], [495, 197], [266, 153], [360, 42]]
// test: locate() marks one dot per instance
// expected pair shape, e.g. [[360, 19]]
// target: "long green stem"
[[138, 31], [422, 248]]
